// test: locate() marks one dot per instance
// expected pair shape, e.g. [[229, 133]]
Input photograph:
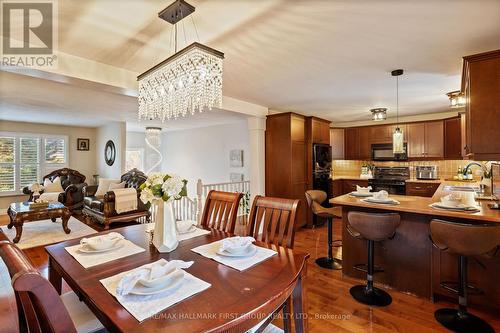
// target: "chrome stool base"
[[373, 296], [466, 323], [329, 263]]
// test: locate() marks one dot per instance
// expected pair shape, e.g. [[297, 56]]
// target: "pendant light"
[[379, 114], [397, 136]]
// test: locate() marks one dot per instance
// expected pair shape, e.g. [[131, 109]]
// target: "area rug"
[[46, 232]]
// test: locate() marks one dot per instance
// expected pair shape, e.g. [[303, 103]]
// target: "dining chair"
[[40, 308], [273, 221], [221, 210]]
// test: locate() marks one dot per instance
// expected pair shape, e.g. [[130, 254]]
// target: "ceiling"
[[326, 58]]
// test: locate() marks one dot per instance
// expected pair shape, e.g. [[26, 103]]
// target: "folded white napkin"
[[150, 272], [112, 236], [381, 195], [236, 243], [362, 189]]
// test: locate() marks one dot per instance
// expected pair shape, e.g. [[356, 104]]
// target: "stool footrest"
[[453, 287], [364, 268]]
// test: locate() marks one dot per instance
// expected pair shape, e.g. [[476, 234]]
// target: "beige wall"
[[83, 161], [115, 131]]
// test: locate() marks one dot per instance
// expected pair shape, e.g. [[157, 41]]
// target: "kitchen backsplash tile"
[[446, 168]]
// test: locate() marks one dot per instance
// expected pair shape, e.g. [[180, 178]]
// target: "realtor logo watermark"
[[29, 33]]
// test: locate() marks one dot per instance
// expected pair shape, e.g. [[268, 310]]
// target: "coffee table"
[[20, 212]]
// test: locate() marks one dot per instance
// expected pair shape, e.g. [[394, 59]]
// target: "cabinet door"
[[421, 189], [452, 139], [320, 131], [416, 140], [380, 134], [365, 143], [434, 139], [337, 143], [351, 146]]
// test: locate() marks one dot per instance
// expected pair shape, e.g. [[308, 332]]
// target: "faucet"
[[467, 167]]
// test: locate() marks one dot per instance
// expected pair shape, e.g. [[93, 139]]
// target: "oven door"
[[383, 152]]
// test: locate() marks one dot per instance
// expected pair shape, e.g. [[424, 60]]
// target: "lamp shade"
[[398, 141]]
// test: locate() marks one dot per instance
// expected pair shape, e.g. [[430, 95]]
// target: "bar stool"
[[465, 240], [373, 228], [314, 199]]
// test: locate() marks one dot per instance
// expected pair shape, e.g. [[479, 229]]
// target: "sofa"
[[102, 209], [72, 183]]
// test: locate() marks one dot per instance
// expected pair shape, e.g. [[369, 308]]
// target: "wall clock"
[[110, 153]]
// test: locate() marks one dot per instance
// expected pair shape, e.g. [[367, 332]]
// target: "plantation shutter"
[[7, 164], [29, 161]]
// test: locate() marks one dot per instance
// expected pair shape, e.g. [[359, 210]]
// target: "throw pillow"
[[103, 186], [55, 186], [114, 186]]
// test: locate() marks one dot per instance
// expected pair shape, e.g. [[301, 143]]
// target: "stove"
[[390, 179]]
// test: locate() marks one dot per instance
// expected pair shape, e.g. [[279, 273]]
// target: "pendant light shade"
[[397, 136]]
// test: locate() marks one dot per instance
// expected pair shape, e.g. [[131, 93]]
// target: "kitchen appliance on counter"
[[427, 172], [384, 152], [390, 179]]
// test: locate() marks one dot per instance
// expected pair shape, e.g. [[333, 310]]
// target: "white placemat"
[[143, 307], [239, 263], [93, 259]]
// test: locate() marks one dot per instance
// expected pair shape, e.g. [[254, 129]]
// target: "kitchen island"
[[411, 264]]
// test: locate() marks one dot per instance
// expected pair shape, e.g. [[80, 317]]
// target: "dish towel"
[[150, 272], [125, 200]]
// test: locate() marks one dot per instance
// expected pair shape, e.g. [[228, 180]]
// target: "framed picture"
[[236, 158], [236, 177], [83, 144]]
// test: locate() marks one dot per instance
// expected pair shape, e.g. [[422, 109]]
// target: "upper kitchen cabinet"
[[426, 140], [452, 138], [337, 143], [320, 130], [481, 85], [351, 143]]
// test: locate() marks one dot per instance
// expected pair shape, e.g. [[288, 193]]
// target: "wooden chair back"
[[40, 308], [221, 210], [277, 218]]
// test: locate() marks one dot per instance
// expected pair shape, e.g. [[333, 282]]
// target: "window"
[[134, 158], [26, 158]]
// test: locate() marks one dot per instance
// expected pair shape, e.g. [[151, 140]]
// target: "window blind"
[[7, 166], [29, 160], [55, 150]]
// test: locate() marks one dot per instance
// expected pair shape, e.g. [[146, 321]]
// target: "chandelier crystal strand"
[[186, 83]]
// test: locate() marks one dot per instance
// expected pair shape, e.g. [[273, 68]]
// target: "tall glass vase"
[[165, 231]]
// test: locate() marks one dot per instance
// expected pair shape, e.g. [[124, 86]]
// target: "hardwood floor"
[[330, 306]]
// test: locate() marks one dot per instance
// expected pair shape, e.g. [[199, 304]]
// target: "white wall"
[[115, 131], [83, 161], [203, 153]]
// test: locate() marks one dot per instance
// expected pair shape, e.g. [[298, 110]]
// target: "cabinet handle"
[[417, 188]]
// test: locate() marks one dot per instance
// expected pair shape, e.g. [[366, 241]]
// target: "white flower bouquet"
[[162, 186]]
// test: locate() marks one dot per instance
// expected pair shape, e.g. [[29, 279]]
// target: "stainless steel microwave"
[[383, 152]]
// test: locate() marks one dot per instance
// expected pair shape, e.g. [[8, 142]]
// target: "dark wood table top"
[[23, 207], [233, 295]]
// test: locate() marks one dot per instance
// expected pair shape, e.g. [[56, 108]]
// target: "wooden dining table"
[[235, 302]]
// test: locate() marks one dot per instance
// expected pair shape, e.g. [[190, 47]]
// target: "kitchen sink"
[[462, 188]]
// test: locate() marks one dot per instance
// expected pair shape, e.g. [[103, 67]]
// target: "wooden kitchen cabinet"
[[421, 189], [365, 143], [452, 138], [481, 85], [320, 131], [351, 145], [426, 140], [337, 143]]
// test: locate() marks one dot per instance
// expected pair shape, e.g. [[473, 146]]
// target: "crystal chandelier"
[[397, 136], [457, 99], [153, 141], [187, 82]]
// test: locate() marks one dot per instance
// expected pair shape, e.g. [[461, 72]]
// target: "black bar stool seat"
[[314, 199], [464, 240], [373, 228]]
